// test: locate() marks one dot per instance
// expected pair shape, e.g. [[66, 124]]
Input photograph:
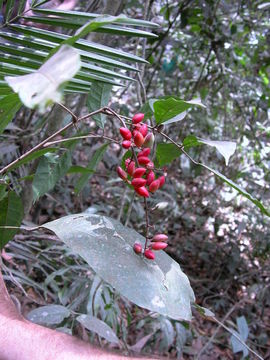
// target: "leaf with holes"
[[107, 246]]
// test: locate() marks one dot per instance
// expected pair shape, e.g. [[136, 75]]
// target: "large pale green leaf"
[[107, 246], [99, 327], [48, 315], [9, 105], [98, 97], [97, 157], [171, 109], [50, 169], [11, 214]]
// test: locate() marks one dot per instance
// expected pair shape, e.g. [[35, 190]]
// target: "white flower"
[[43, 86]]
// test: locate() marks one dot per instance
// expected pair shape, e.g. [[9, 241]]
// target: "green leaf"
[[11, 214], [225, 148], [107, 246], [9, 105], [48, 315], [91, 166], [98, 97], [50, 169], [203, 311], [99, 327], [31, 157], [170, 109], [166, 153], [79, 170]]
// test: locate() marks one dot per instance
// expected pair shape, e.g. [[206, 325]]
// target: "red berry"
[[149, 140], [121, 173], [143, 129], [138, 139], [159, 245], [138, 182], [139, 172], [154, 186], [137, 118], [149, 254], [131, 168], [160, 237], [142, 191], [150, 177], [125, 133], [137, 248], [144, 152], [161, 180], [126, 144], [143, 160]]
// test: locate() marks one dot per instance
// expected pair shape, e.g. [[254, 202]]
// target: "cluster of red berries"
[[139, 172], [158, 242]]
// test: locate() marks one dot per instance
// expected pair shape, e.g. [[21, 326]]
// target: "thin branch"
[[91, 135]]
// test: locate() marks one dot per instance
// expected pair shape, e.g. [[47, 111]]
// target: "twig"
[[130, 209], [91, 135], [122, 204]]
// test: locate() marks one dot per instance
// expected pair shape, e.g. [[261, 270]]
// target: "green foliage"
[[10, 104], [51, 168], [48, 315], [99, 97], [92, 165], [11, 214]]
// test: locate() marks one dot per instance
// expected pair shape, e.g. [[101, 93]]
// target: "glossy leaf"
[[50, 169], [171, 109], [11, 214], [99, 327], [48, 315], [97, 157], [9, 105], [107, 246], [98, 97]]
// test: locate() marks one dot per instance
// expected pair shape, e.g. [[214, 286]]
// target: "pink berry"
[[161, 180], [143, 160], [125, 133], [159, 245], [131, 168], [160, 237], [138, 139], [150, 165], [121, 173], [137, 118], [126, 144], [150, 177], [149, 254], [137, 248], [144, 152], [154, 186], [138, 182], [149, 140], [143, 130], [142, 191], [139, 172]]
